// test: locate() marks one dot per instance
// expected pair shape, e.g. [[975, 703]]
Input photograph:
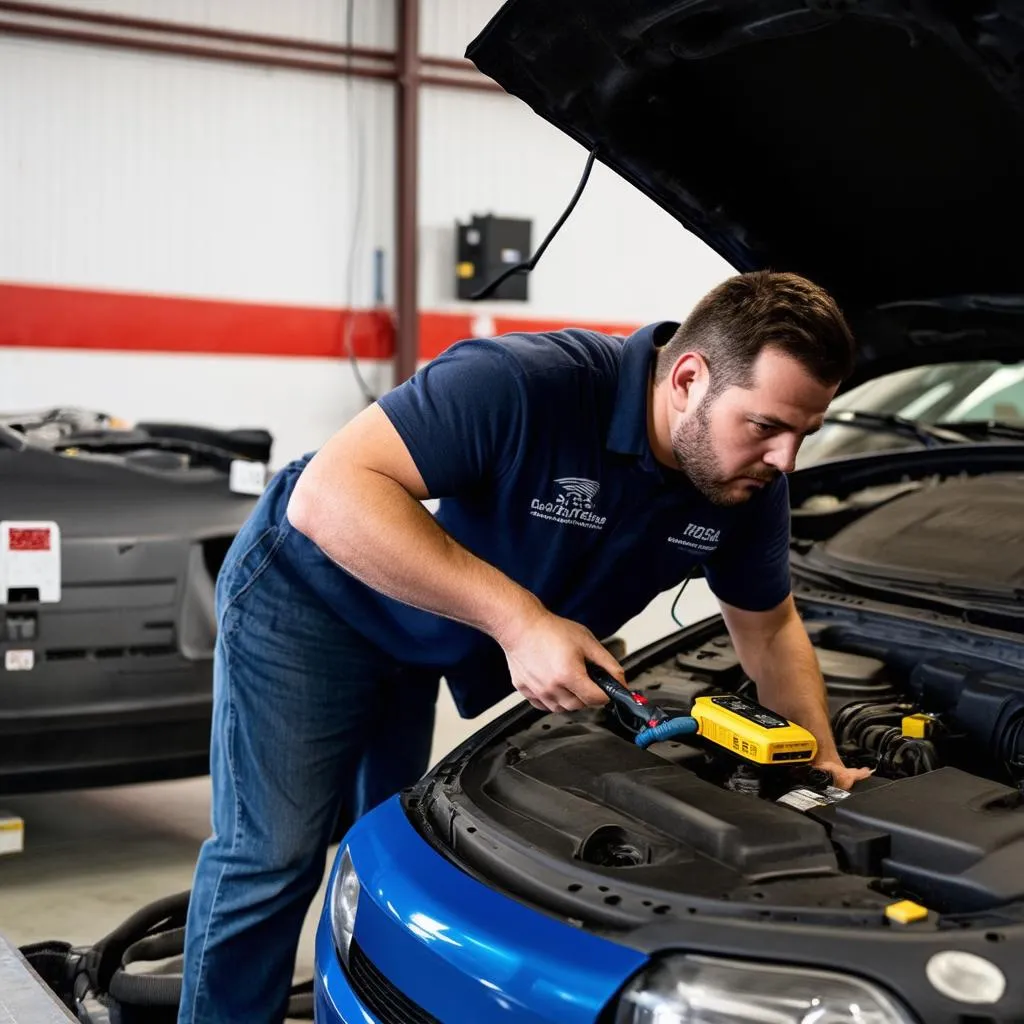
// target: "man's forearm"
[[375, 530], [360, 501], [789, 682]]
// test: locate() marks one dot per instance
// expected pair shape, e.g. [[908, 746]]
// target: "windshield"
[[948, 393]]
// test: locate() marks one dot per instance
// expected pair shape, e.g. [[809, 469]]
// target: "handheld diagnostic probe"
[[730, 721], [654, 723]]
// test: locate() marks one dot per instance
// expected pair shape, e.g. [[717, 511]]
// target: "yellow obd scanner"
[[752, 731]]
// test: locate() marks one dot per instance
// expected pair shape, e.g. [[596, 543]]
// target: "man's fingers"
[[548, 665], [568, 701], [551, 671], [586, 689], [535, 699], [599, 655], [562, 698], [553, 699], [843, 777]]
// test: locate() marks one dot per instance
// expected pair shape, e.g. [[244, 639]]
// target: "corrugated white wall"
[[321, 20], [176, 176], [188, 177], [618, 257], [448, 26]]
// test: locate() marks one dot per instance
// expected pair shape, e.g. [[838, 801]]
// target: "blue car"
[[407, 930], [550, 869]]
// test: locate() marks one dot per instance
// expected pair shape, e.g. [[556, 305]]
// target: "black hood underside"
[[875, 147]]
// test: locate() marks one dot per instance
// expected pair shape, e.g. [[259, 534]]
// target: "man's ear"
[[687, 381]]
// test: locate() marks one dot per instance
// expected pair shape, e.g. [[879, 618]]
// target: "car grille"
[[379, 996]]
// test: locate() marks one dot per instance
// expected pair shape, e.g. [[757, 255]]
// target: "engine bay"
[[939, 822], [957, 536]]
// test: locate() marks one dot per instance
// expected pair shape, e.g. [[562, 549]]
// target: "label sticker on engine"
[[19, 661], [805, 799]]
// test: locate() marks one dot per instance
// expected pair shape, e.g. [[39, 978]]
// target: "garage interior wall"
[[132, 181], [181, 235]]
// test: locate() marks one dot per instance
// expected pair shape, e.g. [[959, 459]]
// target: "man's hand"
[[545, 657], [775, 651], [843, 777]]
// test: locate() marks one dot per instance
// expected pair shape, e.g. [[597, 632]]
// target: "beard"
[[694, 451]]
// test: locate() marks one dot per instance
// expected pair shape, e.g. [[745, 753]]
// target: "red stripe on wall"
[[35, 317], [439, 330], [32, 316]]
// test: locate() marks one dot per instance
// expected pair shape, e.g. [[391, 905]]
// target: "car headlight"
[[707, 990], [344, 903]]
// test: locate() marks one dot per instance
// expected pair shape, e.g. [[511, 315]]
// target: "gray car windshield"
[[946, 394]]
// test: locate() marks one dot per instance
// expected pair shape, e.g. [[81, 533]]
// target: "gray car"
[[111, 537]]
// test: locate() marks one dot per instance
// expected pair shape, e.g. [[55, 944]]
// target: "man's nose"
[[782, 455]]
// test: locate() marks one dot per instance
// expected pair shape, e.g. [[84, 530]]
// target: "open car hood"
[[875, 147]]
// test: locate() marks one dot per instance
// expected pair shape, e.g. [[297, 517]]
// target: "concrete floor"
[[93, 857]]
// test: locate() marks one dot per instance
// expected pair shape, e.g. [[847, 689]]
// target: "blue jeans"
[[311, 723]]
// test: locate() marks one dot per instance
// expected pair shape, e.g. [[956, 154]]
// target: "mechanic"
[[579, 476]]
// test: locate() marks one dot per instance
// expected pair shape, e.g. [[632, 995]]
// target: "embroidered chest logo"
[[698, 538], [574, 503]]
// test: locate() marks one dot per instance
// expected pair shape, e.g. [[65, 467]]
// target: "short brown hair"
[[747, 313]]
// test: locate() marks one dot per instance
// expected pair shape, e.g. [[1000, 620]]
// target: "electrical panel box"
[[486, 247]]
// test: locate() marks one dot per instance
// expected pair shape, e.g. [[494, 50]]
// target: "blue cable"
[[682, 726]]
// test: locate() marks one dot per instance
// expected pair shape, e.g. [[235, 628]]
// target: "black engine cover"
[[954, 840]]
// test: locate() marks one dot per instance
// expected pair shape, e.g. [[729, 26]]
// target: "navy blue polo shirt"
[[537, 447]]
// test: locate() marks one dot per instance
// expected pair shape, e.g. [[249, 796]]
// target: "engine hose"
[[682, 726], [846, 717], [854, 721], [1013, 740], [888, 747]]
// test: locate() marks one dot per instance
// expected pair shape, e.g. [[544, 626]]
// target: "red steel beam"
[[197, 31], [474, 80], [18, 28], [479, 84], [457, 63]]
